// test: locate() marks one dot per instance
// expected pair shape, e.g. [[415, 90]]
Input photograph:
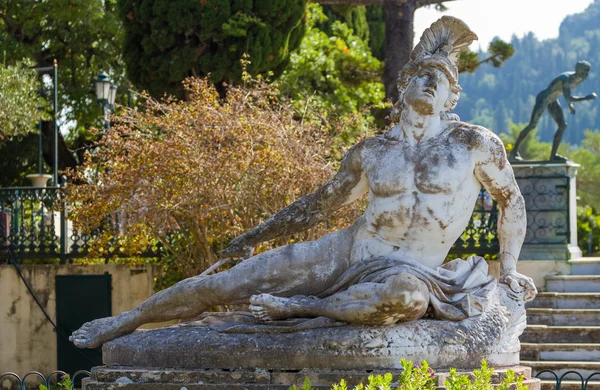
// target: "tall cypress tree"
[[169, 40]]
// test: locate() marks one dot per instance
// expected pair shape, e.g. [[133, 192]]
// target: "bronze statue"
[[548, 98]]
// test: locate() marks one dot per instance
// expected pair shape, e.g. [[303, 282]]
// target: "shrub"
[[423, 378], [193, 174]]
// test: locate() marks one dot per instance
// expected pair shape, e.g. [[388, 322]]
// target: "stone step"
[[560, 351], [585, 369], [531, 384], [585, 266], [573, 283], [560, 334], [549, 316], [131, 378], [563, 300], [569, 385]]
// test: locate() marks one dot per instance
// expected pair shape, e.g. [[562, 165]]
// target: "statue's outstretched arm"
[[570, 99], [495, 173], [346, 186]]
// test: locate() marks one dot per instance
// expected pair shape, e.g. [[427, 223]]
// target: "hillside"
[[494, 97]]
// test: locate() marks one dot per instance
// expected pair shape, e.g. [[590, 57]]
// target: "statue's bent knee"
[[404, 298]]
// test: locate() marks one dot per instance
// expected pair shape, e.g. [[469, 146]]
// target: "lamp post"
[[106, 92]]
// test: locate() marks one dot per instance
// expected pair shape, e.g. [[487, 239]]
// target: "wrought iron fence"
[[34, 223], [546, 193], [35, 380], [481, 234], [569, 375]]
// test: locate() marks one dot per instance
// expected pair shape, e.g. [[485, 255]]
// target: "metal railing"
[[35, 225], [35, 379], [570, 374], [10, 380]]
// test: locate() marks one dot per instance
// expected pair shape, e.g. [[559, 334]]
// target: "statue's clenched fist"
[[520, 283]]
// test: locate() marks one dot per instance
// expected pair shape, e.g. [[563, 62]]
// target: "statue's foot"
[[267, 307], [95, 333]]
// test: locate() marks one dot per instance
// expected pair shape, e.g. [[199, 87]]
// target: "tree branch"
[[424, 3], [418, 3], [12, 26], [351, 2]]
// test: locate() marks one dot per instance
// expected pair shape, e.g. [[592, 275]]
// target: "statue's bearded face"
[[428, 91]]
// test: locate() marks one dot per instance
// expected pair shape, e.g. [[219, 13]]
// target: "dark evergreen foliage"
[[167, 41], [354, 17]]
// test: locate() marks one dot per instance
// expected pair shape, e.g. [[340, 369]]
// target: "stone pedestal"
[[235, 350], [550, 199], [134, 378], [278, 355]]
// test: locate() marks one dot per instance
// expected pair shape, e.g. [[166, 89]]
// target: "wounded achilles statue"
[[423, 178]]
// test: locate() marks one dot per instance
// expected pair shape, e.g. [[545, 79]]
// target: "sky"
[[503, 18]]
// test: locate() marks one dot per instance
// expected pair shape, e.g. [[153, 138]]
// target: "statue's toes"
[[80, 342], [260, 312]]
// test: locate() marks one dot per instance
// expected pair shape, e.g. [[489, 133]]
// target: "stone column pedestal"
[[551, 202]]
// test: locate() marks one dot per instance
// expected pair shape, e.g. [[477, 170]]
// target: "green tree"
[[396, 19], [588, 176], [21, 107], [335, 74], [536, 63], [167, 41], [83, 36], [353, 17]]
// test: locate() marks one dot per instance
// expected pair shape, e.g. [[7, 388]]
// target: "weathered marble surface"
[[331, 345]]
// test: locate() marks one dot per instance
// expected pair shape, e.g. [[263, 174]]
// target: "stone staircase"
[[563, 332]]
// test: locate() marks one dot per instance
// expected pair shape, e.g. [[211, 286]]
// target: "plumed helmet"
[[439, 47]]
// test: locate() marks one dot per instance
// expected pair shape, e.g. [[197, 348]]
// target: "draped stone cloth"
[[458, 290]]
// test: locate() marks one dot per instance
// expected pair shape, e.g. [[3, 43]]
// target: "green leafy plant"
[[65, 383], [19, 101], [422, 377], [417, 377]]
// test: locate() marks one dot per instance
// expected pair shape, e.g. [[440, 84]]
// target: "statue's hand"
[[520, 283], [572, 108], [238, 248], [592, 96]]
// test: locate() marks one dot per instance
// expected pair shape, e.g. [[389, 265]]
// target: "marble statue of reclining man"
[[423, 178]]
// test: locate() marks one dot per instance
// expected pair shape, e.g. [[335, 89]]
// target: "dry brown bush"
[[206, 168]]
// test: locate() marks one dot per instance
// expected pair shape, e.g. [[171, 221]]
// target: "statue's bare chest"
[[439, 166]]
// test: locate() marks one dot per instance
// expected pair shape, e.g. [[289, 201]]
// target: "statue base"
[[548, 188], [235, 350], [135, 378]]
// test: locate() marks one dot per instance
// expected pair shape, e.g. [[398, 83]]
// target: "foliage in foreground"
[[65, 383], [20, 105], [422, 377], [194, 174]]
